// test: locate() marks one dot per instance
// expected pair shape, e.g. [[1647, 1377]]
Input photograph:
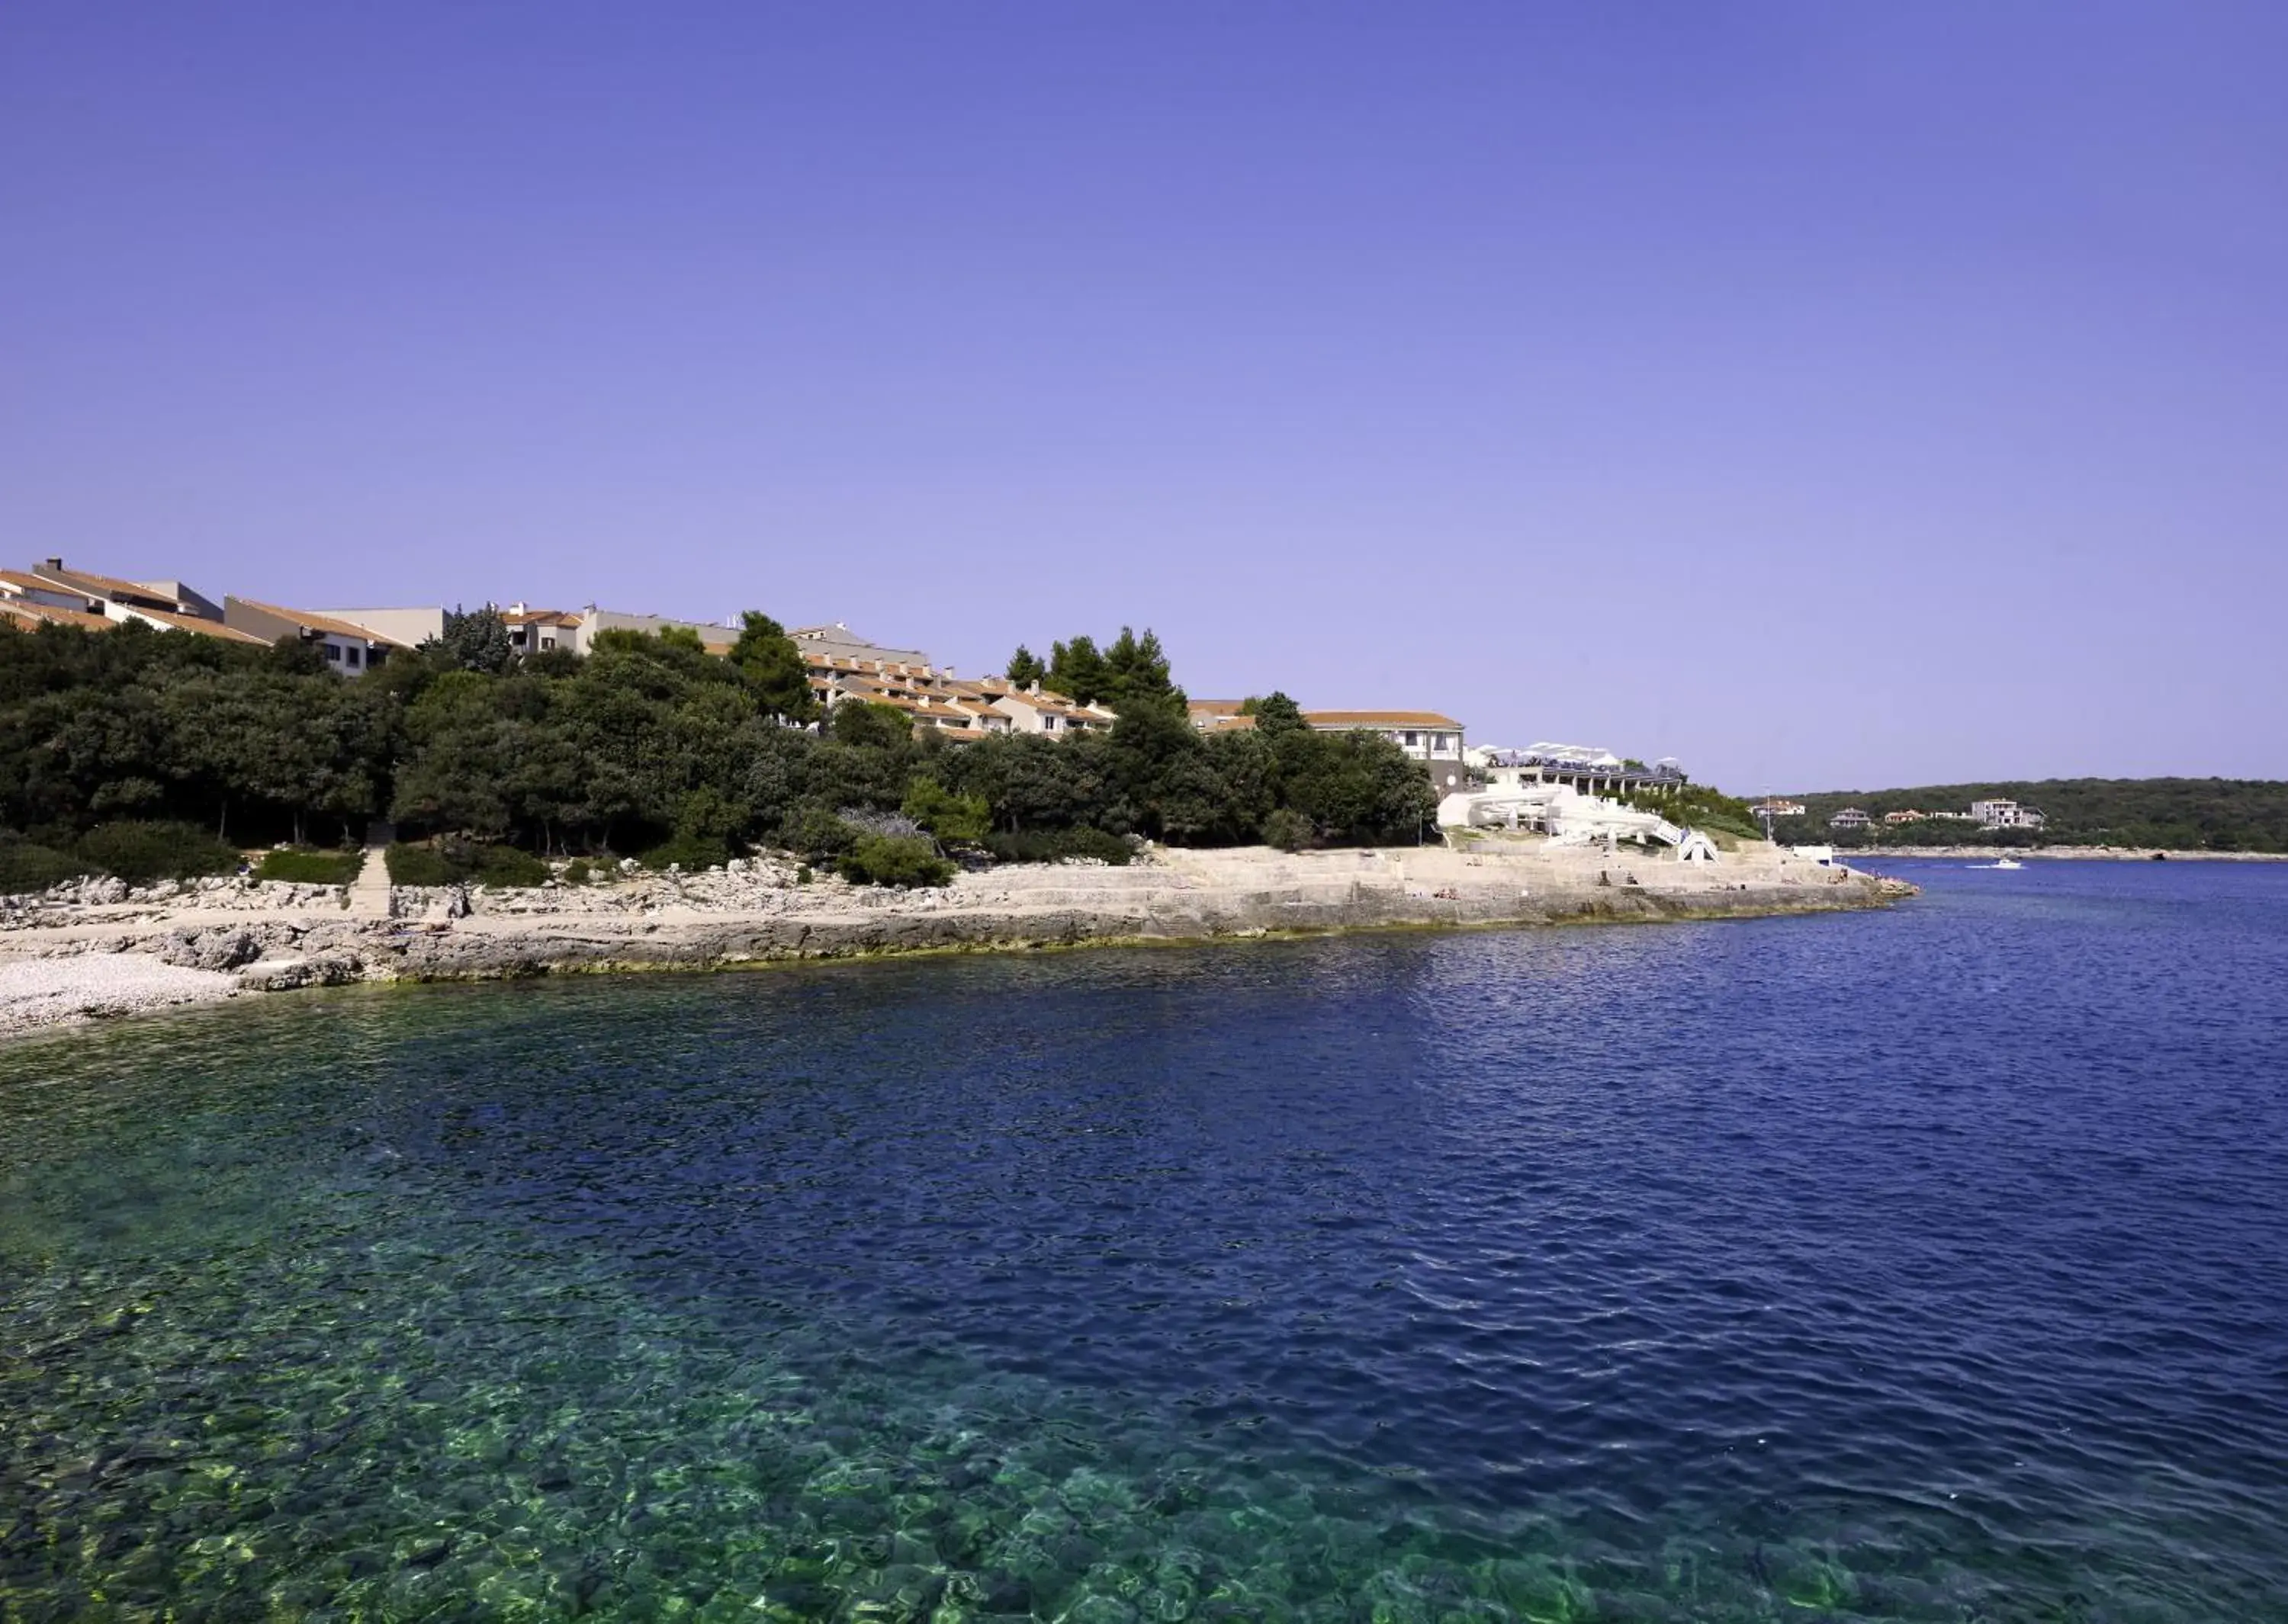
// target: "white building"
[[1035, 709], [2005, 815], [1850, 818], [1433, 740], [72, 597], [410, 627], [347, 648]]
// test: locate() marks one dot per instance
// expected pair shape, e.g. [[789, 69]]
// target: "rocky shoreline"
[[238, 935]]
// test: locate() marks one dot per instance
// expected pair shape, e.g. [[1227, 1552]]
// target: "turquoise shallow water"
[[1931, 1264]]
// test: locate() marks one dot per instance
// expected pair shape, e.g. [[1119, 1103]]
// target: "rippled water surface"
[[1930, 1264]]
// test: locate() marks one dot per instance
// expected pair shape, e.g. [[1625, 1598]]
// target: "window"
[[1410, 738], [353, 656], [334, 652]]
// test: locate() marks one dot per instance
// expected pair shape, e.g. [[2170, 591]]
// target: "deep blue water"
[[1923, 1264]]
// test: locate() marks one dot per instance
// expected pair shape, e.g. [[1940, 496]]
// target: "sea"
[[1926, 1263]]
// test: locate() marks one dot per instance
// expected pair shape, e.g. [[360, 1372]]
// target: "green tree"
[[955, 819], [774, 666], [871, 725], [474, 641], [1025, 667], [1136, 673], [1275, 715], [1078, 670]]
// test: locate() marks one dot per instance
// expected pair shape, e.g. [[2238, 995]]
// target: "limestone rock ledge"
[[761, 912]]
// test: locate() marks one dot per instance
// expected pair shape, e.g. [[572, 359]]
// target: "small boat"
[[2000, 862]]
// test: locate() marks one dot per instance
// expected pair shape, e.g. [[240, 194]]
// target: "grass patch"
[[306, 867]]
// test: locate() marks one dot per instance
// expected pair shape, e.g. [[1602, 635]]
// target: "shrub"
[[452, 862], [417, 865], [506, 866], [579, 871], [691, 852], [140, 853], [307, 867], [958, 819], [1287, 829], [894, 859], [1058, 845], [26, 866], [817, 833]]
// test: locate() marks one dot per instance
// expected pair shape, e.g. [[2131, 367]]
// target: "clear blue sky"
[[1827, 395]]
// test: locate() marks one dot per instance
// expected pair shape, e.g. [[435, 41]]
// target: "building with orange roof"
[[1218, 715], [347, 647], [167, 597], [29, 615], [411, 627], [532, 631], [51, 594], [1032, 708]]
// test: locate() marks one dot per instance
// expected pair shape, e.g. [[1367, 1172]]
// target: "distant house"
[[2005, 815], [50, 592], [1433, 739], [169, 599], [844, 667], [346, 647], [1218, 715], [593, 623], [1905, 815], [1035, 709], [532, 631], [841, 669], [410, 627], [1850, 818], [27, 612], [837, 641], [1776, 808]]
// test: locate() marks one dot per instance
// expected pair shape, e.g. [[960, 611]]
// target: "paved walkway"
[[369, 892]]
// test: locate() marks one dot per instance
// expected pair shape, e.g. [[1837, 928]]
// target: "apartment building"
[[1428, 736], [346, 647], [2005, 815], [50, 592]]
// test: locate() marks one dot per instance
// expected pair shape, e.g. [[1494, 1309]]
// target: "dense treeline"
[[2211, 814], [648, 745]]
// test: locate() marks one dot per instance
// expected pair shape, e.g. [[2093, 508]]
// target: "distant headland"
[[2193, 817]]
